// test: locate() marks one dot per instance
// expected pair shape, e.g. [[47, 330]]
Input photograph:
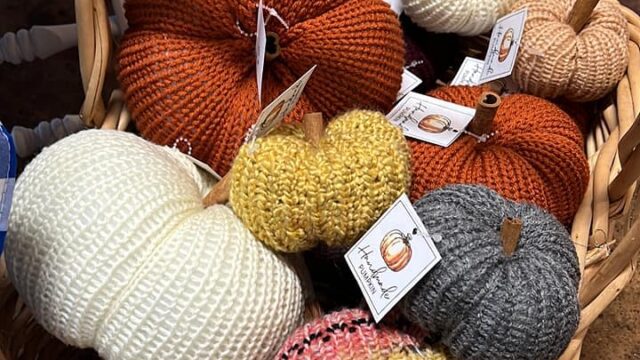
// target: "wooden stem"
[[510, 234], [580, 13], [486, 110], [313, 127], [219, 193]]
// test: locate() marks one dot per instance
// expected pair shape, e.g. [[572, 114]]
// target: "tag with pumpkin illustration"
[[394, 254]]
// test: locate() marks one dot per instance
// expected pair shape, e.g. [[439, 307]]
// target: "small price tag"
[[8, 172], [503, 46], [203, 166], [390, 259], [261, 47], [396, 6], [469, 72], [409, 82], [429, 119], [274, 113]]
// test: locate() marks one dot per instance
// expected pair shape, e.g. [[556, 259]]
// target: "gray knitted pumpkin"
[[488, 305]]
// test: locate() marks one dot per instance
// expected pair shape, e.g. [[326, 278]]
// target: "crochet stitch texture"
[[111, 248], [536, 155], [463, 17], [352, 334], [554, 61], [483, 303], [187, 67], [292, 195]]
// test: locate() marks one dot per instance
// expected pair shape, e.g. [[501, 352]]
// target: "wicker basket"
[[605, 229]]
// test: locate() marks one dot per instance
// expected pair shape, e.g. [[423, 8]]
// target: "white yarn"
[[463, 17], [111, 248]]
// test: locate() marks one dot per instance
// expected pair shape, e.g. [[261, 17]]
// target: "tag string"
[[272, 12]]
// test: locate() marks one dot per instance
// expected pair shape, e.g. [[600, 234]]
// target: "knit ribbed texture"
[[536, 155], [188, 67], [292, 195], [554, 61], [352, 334], [110, 247], [487, 305], [464, 17]]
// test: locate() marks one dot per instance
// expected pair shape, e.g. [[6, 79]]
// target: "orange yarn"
[[188, 66], [535, 156]]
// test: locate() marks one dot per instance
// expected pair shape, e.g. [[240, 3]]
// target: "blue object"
[[8, 171]]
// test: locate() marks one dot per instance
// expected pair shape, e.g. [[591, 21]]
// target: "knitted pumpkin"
[[485, 301], [292, 193], [463, 17], [352, 334], [536, 155], [111, 248], [188, 66], [556, 60]]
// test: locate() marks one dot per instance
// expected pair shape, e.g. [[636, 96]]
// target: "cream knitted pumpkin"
[[111, 248]]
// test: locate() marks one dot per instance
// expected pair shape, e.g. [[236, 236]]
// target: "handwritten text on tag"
[[429, 119], [504, 46], [274, 113], [392, 257], [469, 72]]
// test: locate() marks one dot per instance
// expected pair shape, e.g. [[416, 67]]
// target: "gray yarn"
[[484, 304]]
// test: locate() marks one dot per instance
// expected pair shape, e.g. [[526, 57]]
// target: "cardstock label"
[[274, 113], [429, 119], [469, 72], [409, 82], [390, 259], [396, 5], [261, 48], [204, 167], [503, 46]]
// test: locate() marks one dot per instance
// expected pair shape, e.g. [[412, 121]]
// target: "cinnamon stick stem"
[[580, 13], [219, 193], [510, 235], [486, 110], [313, 127]]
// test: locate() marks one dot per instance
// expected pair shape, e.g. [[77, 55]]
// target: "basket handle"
[[94, 47]]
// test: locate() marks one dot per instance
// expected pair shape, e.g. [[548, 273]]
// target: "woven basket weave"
[[605, 229]]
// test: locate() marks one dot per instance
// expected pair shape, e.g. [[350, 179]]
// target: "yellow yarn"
[[292, 195]]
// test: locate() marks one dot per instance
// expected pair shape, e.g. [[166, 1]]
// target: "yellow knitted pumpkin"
[[293, 193]]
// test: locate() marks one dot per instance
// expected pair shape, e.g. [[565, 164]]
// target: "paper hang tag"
[[8, 172], [503, 46], [274, 113], [261, 47], [390, 259], [469, 72], [431, 120], [204, 167], [409, 82], [396, 6]]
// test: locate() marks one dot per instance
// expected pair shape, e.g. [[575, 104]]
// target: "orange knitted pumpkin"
[[188, 66], [536, 155]]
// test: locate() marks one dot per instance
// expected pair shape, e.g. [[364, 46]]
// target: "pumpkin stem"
[[580, 13], [313, 127], [219, 193], [486, 110], [510, 234]]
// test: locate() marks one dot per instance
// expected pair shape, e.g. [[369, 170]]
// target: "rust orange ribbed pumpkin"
[[535, 156], [188, 66]]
